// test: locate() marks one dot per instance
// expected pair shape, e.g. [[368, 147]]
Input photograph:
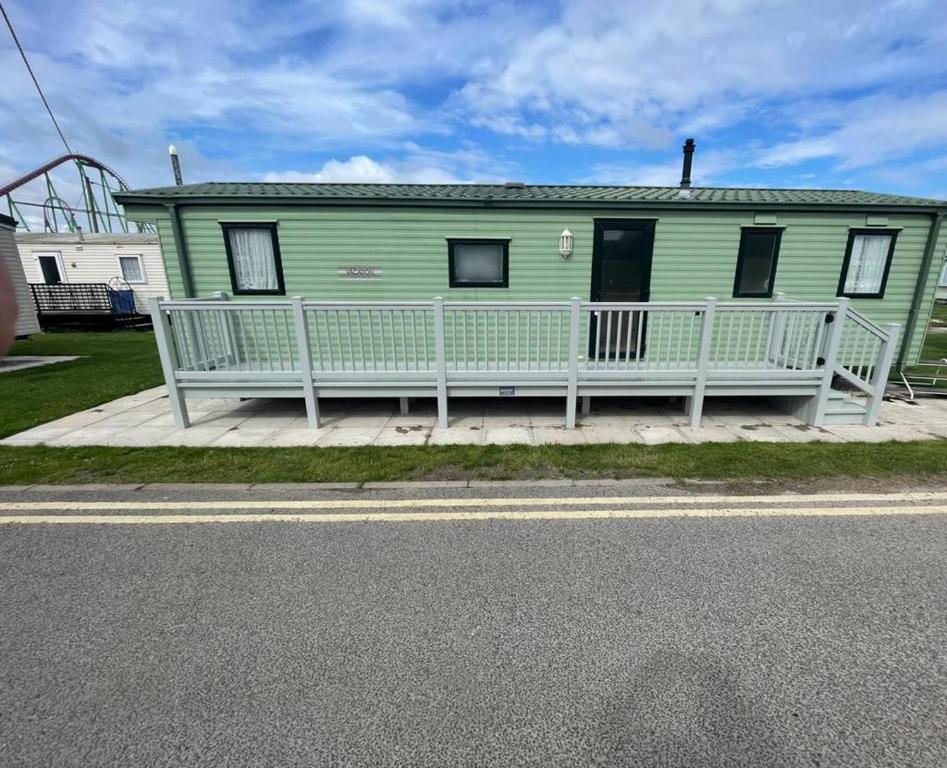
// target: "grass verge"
[[28, 465], [112, 365]]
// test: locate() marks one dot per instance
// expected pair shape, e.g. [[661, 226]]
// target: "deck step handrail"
[[868, 324], [294, 347], [864, 358]]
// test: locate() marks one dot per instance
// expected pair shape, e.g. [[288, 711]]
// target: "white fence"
[[296, 348]]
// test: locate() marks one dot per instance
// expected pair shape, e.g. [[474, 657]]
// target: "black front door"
[[621, 271]]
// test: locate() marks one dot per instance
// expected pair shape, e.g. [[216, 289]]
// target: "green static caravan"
[[514, 242], [375, 290]]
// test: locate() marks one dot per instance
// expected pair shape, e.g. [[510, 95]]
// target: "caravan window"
[[132, 269], [254, 258], [50, 268], [478, 263], [756, 263], [867, 261]]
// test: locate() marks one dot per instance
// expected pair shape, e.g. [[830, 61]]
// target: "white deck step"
[[842, 408]]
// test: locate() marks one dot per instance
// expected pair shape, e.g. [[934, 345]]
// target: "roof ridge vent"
[[515, 185]]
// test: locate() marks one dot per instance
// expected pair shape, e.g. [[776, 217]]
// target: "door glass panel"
[[621, 273]]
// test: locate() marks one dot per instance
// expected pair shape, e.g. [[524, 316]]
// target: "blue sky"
[[793, 94]]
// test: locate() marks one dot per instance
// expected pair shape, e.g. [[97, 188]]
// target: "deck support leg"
[[586, 405], [440, 356], [162, 326], [178, 407], [305, 363], [880, 378], [695, 411], [572, 389], [403, 407], [694, 404]]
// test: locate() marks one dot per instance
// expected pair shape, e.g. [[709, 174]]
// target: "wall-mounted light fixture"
[[565, 244]]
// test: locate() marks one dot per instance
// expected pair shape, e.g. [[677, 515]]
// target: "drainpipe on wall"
[[180, 244], [920, 288]]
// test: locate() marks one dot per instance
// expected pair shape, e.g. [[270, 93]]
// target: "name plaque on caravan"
[[359, 272]]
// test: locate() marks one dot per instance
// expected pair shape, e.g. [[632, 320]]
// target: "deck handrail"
[[864, 358], [443, 346]]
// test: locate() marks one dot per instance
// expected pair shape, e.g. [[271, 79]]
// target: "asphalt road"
[[658, 641]]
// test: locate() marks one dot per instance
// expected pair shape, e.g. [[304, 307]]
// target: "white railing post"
[[879, 379], [195, 324], [440, 357], [230, 337], [572, 390], [776, 325], [305, 363], [162, 326], [830, 355], [695, 404]]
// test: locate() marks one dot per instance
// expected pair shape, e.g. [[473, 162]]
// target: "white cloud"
[[867, 131], [634, 74], [418, 166], [239, 87], [355, 169], [356, 89], [358, 169]]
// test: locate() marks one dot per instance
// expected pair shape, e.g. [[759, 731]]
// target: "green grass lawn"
[[113, 365], [118, 364], [939, 314], [25, 465], [933, 349], [935, 346]]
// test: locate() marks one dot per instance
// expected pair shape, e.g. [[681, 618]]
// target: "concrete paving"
[[144, 419], [22, 362], [665, 641]]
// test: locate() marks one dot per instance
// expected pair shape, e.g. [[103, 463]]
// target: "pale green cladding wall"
[[695, 253]]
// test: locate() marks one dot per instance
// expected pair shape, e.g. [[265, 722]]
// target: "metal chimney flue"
[[688, 159], [175, 165]]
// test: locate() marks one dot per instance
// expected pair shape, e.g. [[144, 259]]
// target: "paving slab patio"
[[144, 419], [22, 362]]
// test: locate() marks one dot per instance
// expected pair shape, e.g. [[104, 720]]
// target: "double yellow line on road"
[[469, 509]]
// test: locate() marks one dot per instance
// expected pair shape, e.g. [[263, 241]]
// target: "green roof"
[[537, 195]]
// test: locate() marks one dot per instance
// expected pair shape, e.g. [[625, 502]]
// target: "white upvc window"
[[132, 269], [867, 261]]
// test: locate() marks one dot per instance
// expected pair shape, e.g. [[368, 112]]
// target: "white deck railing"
[[296, 348]]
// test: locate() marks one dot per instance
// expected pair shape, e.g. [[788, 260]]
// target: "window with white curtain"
[[132, 270], [254, 258], [867, 261], [478, 263]]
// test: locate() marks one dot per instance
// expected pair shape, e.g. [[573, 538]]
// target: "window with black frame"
[[867, 262], [756, 262], [478, 263], [253, 257]]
